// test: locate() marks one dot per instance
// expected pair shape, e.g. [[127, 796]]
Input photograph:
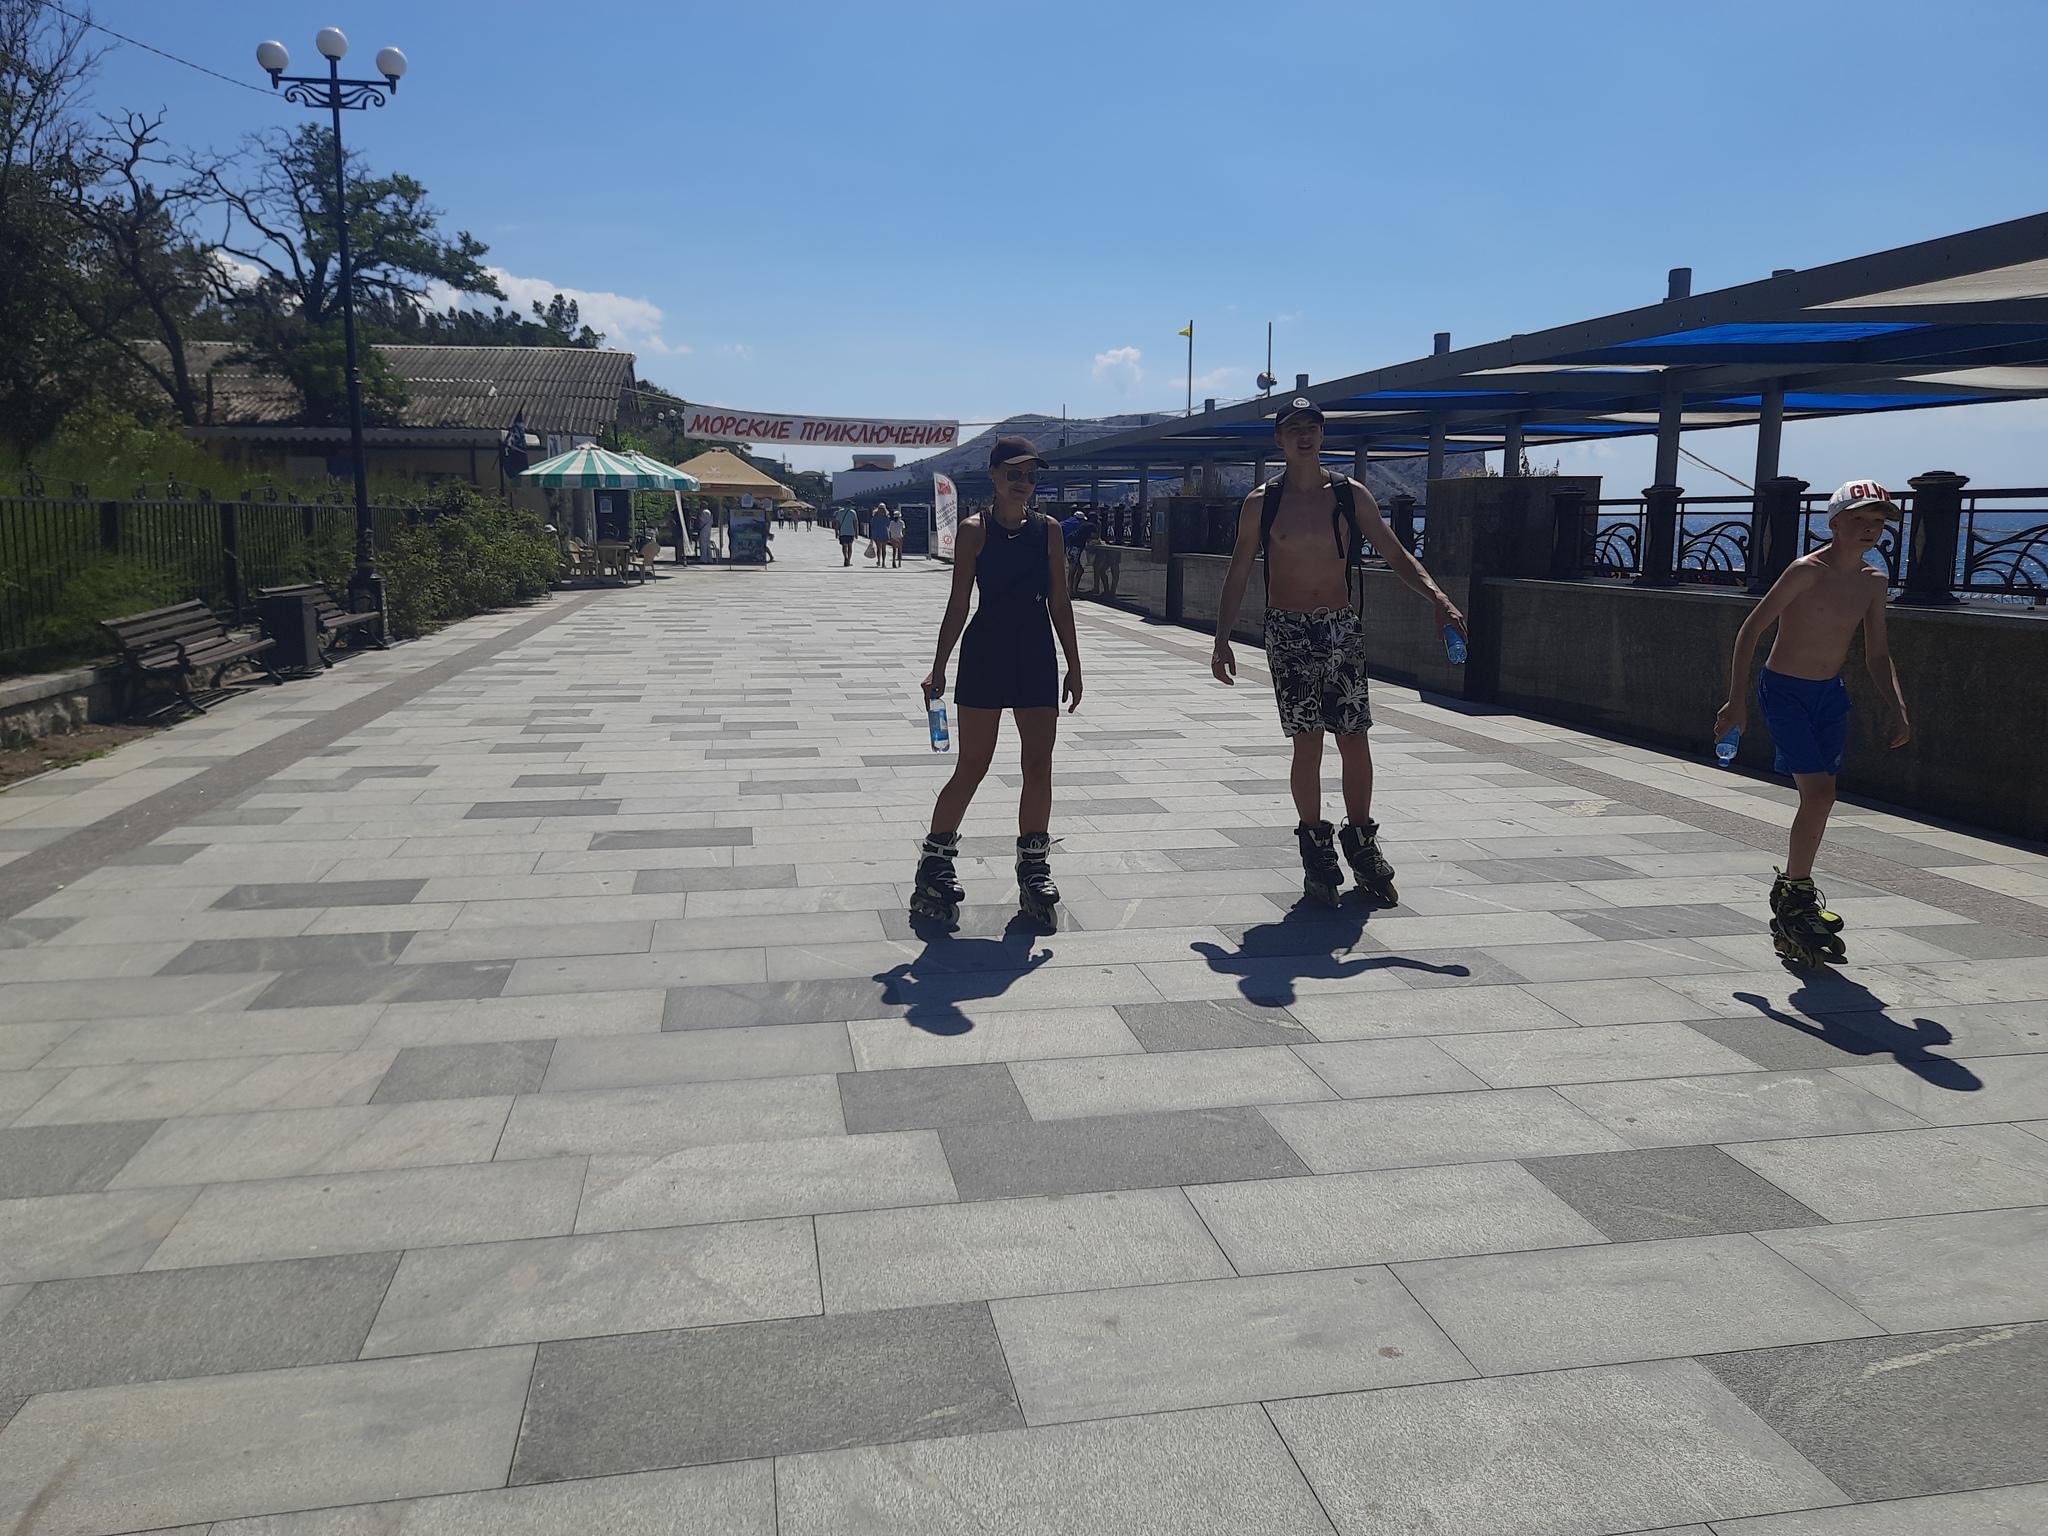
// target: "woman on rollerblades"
[[1017, 559]]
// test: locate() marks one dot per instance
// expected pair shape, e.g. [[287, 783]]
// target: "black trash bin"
[[292, 619]]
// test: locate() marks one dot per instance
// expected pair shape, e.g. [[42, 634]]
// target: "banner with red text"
[[946, 513], [721, 424]]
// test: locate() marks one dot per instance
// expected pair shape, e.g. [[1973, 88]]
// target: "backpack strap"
[[1345, 511]]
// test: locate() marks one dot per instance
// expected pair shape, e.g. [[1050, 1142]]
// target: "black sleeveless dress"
[[1007, 659]]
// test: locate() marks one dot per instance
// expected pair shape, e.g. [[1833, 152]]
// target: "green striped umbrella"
[[590, 467]]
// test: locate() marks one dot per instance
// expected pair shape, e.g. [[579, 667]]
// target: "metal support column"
[[1770, 433], [1670, 422], [1436, 452], [1511, 449]]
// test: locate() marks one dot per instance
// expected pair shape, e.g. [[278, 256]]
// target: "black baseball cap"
[[1013, 450], [1300, 405]]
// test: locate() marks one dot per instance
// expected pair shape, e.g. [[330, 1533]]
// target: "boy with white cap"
[[1818, 604]]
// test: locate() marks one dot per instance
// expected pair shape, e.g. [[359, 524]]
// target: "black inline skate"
[[1803, 930], [1369, 867], [938, 892], [1322, 877], [1037, 897]]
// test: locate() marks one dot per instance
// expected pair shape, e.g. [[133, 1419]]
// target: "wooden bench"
[[179, 643], [334, 619]]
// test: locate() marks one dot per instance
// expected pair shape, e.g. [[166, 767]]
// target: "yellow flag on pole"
[[1189, 332]]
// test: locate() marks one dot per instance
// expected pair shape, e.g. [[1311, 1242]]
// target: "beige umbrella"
[[719, 473]]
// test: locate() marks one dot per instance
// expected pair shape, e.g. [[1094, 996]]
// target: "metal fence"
[[221, 552]]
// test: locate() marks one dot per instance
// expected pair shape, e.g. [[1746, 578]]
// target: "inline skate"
[[1803, 930], [1369, 866], [1037, 897], [938, 892], [1322, 877]]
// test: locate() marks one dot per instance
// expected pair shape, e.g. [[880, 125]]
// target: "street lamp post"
[[332, 93]]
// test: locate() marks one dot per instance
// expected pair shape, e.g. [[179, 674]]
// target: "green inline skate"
[[1803, 930]]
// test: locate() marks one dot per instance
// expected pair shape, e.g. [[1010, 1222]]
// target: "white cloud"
[[1217, 378], [1119, 365], [633, 325]]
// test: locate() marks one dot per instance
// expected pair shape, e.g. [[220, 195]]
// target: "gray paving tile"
[[1099, 1152], [1373, 1069], [734, 1499], [603, 1283], [988, 1248], [558, 781], [1664, 1192], [327, 893], [666, 1116], [1963, 1092], [67, 1159], [737, 1181], [1204, 1026], [698, 1056], [744, 877], [647, 1400], [20, 932], [520, 810], [1979, 941], [1752, 1106], [1360, 1016], [244, 816], [1203, 1343], [1219, 1472], [174, 1453], [1425, 1129], [1559, 867], [330, 951], [1787, 1045], [1386, 1215], [1592, 1053], [673, 837], [1567, 1453], [112, 1232], [1166, 1081], [371, 1212], [1906, 1173], [1916, 1414], [2020, 1511], [438, 981], [1696, 921], [288, 1143], [1931, 1271], [69, 1334], [924, 1098], [777, 1002], [155, 854], [465, 1071], [801, 787]]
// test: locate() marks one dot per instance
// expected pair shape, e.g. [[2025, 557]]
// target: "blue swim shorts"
[[1809, 720]]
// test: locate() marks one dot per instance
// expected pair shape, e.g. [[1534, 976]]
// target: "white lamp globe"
[[273, 57], [390, 63], [331, 43]]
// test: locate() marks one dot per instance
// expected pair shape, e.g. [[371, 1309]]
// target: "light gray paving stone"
[[992, 1248], [1384, 1215], [516, 942], [1592, 1053], [923, 1098], [70, 1334], [1202, 1343], [1567, 1453], [21, 1047], [1511, 1313], [736, 1182], [464, 1071], [131, 1042], [1220, 1472], [733, 1499], [665, 1117], [2020, 1511], [1026, 1035], [614, 1282], [698, 1056], [1658, 1192], [67, 1159], [1375, 1069], [1169, 1080], [1200, 1026], [371, 1212], [111, 1232], [1408, 1012], [517, 1018], [1906, 1173], [1752, 1106], [1623, 1000], [1424, 1129], [309, 1080], [1970, 1092], [286, 1143], [173, 1453], [1931, 1271], [19, 1090]]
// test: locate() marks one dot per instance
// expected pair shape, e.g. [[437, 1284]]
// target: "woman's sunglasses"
[[1021, 476]]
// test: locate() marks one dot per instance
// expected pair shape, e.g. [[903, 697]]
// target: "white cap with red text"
[[1862, 493]]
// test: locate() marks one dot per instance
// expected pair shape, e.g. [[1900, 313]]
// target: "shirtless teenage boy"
[[1817, 605], [1306, 524]]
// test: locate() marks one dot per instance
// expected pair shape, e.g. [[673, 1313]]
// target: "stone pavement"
[[495, 1088]]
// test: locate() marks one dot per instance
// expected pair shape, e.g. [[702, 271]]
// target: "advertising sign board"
[[946, 504], [720, 424]]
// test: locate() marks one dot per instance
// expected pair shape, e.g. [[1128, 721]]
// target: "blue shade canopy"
[[1955, 321]]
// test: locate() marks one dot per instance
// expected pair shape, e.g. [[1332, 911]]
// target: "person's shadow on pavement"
[[1850, 1017], [953, 970], [1308, 942]]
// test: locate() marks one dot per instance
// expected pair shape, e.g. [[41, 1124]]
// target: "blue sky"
[[1015, 207]]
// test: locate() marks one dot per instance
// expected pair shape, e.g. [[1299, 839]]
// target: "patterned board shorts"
[[1318, 666]]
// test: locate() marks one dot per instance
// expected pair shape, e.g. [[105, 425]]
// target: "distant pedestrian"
[[896, 537], [707, 530], [878, 531], [849, 530], [1012, 557], [1076, 531]]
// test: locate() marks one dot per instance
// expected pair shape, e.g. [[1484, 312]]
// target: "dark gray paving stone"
[[1659, 1192], [1688, 840], [299, 952], [1682, 922], [1900, 850], [1552, 867], [674, 837], [20, 932], [1134, 805], [558, 781], [10, 1405], [440, 982], [561, 728], [156, 853], [1254, 786], [1428, 968], [1913, 1413], [1980, 941], [67, 1159], [978, 921], [1208, 1026], [1863, 1030], [925, 1098], [1261, 749], [330, 893], [635, 1402], [512, 810], [1101, 1152], [802, 787], [746, 877], [390, 771], [777, 1002], [1265, 857], [68, 1334], [1264, 837], [465, 1071], [1307, 928], [236, 816]]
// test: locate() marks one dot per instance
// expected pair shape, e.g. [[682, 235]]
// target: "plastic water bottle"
[[1724, 749], [1454, 645], [935, 718]]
